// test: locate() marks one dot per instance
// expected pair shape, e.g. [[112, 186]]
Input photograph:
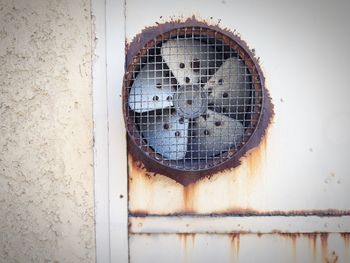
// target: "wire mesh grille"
[[193, 99]]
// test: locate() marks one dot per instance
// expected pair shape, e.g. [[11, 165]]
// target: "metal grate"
[[193, 99]]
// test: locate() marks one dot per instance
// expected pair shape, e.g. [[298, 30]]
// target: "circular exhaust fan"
[[193, 98]]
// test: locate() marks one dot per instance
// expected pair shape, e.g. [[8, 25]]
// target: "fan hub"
[[190, 101]]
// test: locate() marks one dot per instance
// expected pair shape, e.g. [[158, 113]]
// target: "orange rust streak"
[[313, 243], [184, 237], [136, 167], [193, 237], [235, 242], [324, 246], [189, 192], [255, 157], [293, 237], [346, 237]]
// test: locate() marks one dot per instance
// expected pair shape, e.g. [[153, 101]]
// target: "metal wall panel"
[[302, 163], [288, 201], [174, 248]]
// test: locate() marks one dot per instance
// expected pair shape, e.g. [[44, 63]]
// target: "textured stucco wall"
[[46, 158]]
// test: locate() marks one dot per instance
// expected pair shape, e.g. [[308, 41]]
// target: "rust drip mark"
[[184, 238], [129, 227], [184, 241], [326, 257], [235, 243], [293, 238], [189, 193], [346, 238], [256, 157], [313, 243], [324, 246], [137, 167]]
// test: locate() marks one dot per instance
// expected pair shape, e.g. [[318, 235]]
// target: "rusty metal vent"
[[193, 98]]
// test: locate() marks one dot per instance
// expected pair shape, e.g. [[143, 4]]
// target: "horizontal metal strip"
[[253, 213], [224, 225]]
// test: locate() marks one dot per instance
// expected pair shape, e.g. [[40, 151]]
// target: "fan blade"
[[166, 134], [150, 90], [188, 59], [213, 134], [229, 88]]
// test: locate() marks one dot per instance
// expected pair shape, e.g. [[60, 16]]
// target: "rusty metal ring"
[[260, 117]]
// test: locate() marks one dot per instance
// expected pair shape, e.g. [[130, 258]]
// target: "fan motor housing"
[[194, 100]]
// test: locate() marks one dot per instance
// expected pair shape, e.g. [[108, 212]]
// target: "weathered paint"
[[301, 153], [235, 240], [152, 193], [288, 202], [190, 198], [240, 247], [346, 237], [183, 237]]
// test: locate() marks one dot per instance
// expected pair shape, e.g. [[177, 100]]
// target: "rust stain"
[[252, 164], [184, 241], [324, 246], [138, 173], [184, 238], [235, 243], [189, 193], [313, 243], [346, 237], [293, 238], [137, 167], [255, 158], [326, 256]]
